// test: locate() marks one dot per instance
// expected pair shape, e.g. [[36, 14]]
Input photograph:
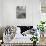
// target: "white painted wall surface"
[[8, 12]]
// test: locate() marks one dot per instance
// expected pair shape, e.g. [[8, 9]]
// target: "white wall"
[[1, 18], [36, 12], [9, 12]]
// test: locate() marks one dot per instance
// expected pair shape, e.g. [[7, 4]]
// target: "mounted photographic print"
[[20, 12]]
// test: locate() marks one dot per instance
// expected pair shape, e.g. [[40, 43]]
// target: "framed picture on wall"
[[21, 12]]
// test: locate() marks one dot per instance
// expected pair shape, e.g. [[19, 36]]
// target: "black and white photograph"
[[21, 12]]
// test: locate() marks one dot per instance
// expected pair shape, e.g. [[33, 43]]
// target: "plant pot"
[[42, 34], [34, 43]]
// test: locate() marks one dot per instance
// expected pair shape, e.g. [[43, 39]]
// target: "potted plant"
[[34, 39], [41, 27]]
